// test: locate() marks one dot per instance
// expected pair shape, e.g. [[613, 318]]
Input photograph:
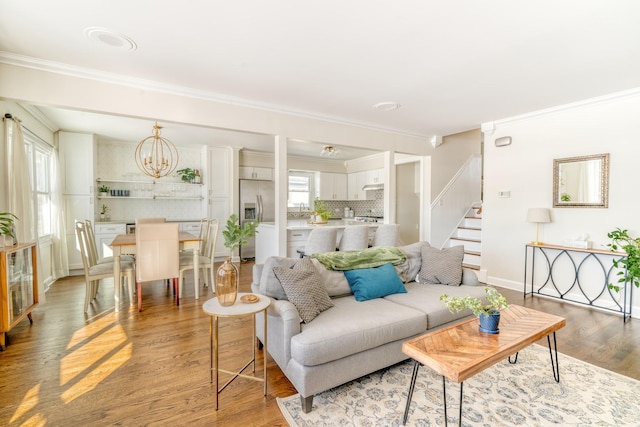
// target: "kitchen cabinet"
[[331, 186], [190, 227], [355, 182], [18, 286], [375, 176], [77, 161], [105, 233], [248, 172], [296, 240], [217, 175]]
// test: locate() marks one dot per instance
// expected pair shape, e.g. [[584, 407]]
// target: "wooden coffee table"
[[461, 350]]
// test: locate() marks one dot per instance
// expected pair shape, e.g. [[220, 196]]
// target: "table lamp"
[[539, 216]]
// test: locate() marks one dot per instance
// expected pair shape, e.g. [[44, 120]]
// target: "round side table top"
[[213, 308]]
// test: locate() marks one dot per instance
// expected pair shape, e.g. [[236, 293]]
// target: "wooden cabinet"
[[18, 286], [332, 186], [249, 172]]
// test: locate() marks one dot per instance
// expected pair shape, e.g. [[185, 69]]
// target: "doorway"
[[408, 202]]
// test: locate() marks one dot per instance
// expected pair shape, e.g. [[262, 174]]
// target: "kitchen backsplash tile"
[[373, 207]]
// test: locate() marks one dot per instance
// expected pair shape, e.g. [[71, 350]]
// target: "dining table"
[[125, 244]]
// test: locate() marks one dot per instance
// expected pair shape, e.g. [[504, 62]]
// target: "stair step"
[[478, 253], [470, 228], [466, 240], [471, 266]]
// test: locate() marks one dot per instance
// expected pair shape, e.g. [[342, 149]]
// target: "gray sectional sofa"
[[352, 338]]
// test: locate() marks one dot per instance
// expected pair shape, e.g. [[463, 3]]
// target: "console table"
[[577, 275]]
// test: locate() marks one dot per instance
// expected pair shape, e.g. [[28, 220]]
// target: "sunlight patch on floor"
[[91, 352], [92, 378], [29, 402]]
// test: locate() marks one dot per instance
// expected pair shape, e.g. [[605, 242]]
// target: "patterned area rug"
[[523, 394]]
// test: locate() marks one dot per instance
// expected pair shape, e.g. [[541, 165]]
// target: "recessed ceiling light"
[[110, 38], [386, 106]]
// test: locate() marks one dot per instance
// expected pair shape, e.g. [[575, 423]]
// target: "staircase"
[[469, 235]]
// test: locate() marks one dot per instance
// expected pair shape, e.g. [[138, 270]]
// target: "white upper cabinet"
[[77, 162], [375, 176], [249, 172], [356, 181], [332, 186], [218, 171]]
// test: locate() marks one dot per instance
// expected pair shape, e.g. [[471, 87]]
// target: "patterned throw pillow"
[[304, 289], [441, 266]]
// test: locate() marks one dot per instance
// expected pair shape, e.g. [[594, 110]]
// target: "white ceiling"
[[451, 65]]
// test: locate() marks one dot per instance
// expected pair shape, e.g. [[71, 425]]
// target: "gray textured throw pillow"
[[441, 266], [304, 289]]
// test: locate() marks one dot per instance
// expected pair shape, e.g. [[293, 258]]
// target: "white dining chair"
[[386, 235], [94, 272], [206, 260], [354, 237], [321, 240], [157, 256], [92, 246]]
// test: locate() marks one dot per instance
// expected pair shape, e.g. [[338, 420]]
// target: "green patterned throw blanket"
[[366, 258]]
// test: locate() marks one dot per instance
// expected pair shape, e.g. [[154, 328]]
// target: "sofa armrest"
[[283, 323]]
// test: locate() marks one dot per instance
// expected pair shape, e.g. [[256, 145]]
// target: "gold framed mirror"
[[581, 182]]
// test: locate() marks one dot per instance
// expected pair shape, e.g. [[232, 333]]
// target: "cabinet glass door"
[[20, 282]]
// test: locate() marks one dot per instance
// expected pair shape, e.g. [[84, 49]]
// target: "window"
[[39, 156], [300, 189]]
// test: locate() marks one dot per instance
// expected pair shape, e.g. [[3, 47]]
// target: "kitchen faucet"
[[301, 206]]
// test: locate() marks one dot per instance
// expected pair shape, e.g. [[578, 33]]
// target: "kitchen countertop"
[[302, 224], [133, 221]]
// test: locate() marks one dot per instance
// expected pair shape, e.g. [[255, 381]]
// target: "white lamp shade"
[[538, 215]]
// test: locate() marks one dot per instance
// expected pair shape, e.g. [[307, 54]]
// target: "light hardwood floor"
[[152, 368]]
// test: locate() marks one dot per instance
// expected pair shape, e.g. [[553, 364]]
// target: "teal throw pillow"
[[377, 282]]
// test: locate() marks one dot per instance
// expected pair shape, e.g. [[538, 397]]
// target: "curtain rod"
[[29, 131]]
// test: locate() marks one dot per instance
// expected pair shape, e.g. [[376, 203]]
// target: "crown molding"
[[18, 60], [37, 114], [490, 127]]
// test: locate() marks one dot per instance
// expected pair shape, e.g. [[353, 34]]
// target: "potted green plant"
[[320, 210], [6, 225], [487, 310], [620, 240], [103, 190], [235, 236], [187, 174], [103, 212]]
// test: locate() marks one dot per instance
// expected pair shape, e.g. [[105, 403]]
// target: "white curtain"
[[20, 197], [58, 230]]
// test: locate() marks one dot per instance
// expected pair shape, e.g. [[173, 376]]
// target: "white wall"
[[449, 157], [606, 125]]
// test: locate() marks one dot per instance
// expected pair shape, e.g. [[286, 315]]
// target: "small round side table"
[[213, 308]]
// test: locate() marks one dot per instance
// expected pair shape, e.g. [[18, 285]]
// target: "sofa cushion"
[[426, 298], [351, 327], [304, 289], [269, 283], [441, 265], [333, 281], [409, 269], [370, 283]]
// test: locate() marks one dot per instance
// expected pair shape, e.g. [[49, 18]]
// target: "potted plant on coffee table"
[[235, 236], [487, 311]]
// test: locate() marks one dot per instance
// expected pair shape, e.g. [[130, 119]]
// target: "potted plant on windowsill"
[[487, 311], [6, 227], [227, 274]]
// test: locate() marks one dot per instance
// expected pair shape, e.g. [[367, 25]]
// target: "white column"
[[389, 187], [281, 178]]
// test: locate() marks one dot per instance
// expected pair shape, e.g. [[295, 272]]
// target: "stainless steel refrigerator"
[[257, 202]]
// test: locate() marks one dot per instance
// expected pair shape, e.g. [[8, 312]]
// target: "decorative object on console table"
[[620, 239], [228, 275], [487, 312], [539, 216], [7, 227]]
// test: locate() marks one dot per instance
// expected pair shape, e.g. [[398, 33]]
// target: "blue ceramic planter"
[[489, 323]]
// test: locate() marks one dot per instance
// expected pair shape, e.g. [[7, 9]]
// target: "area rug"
[[522, 394]]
